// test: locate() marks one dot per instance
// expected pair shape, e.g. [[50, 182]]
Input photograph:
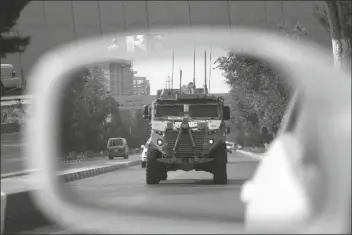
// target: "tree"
[[259, 93], [10, 40], [86, 105], [336, 18]]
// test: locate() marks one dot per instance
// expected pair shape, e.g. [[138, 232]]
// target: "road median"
[[19, 210]]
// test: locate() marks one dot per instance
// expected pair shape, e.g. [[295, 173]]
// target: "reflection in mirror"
[[181, 106]]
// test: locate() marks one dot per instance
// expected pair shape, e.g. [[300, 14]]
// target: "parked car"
[[9, 79], [117, 147]]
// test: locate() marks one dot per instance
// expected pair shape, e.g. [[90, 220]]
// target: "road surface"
[[11, 153], [13, 159], [184, 194]]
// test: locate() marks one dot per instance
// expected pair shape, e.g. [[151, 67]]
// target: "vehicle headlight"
[[212, 132], [211, 141], [159, 142], [159, 132]]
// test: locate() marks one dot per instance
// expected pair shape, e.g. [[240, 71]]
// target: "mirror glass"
[[187, 90]]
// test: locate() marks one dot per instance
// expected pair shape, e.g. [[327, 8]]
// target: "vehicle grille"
[[184, 146]]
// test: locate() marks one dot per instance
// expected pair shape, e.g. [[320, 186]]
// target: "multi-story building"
[[141, 86], [120, 76]]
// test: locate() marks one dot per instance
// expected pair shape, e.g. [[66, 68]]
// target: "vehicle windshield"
[[168, 110], [200, 111], [116, 142]]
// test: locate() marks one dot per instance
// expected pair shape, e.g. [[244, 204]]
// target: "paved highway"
[[13, 160], [11, 153], [186, 195]]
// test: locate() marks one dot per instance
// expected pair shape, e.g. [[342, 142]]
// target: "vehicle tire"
[[126, 156], [110, 157], [153, 168], [220, 168], [144, 164]]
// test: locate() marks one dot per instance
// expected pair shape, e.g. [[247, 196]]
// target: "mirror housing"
[[142, 146], [226, 113], [146, 114]]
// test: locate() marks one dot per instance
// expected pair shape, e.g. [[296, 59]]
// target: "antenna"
[[180, 80], [168, 82], [173, 62], [210, 68], [205, 72], [194, 67]]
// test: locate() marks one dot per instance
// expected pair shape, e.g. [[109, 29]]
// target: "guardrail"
[[13, 100]]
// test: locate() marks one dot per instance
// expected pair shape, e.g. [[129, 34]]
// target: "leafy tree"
[[336, 18], [86, 105], [10, 40], [260, 94]]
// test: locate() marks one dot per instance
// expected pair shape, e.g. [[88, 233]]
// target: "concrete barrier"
[[21, 214]]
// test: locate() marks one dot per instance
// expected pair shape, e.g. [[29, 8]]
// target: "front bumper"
[[117, 154], [181, 145]]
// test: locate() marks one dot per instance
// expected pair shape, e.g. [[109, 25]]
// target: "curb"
[[21, 213], [70, 177], [26, 172], [17, 173]]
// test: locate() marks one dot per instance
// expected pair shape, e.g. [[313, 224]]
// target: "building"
[[141, 86], [120, 76]]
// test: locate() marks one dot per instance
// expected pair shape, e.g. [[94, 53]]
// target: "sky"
[[157, 68]]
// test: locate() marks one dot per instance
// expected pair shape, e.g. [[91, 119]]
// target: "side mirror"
[[228, 130], [142, 146], [226, 113], [146, 111]]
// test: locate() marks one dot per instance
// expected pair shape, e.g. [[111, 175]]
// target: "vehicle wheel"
[[220, 169], [153, 167], [126, 156], [110, 158], [144, 164]]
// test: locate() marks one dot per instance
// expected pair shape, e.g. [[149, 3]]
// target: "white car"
[[8, 77]]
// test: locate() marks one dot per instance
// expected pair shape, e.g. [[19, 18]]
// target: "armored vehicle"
[[188, 132]]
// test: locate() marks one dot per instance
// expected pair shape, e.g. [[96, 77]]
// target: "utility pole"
[[210, 68]]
